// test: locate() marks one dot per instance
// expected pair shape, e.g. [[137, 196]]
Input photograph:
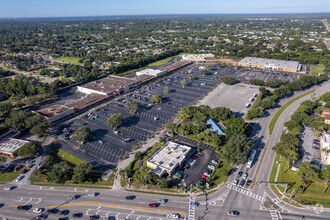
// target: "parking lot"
[[198, 166], [309, 151], [105, 147], [234, 97]]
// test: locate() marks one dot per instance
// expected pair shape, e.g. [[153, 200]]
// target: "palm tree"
[[183, 83], [166, 90], [190, 77]]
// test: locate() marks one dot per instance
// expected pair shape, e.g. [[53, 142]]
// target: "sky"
[[72, 8]]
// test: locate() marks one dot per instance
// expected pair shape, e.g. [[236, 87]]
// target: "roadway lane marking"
[[118, 206], [244, 192]]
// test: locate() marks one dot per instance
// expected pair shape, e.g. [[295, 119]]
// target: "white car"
[[214, 162], [8, 188], [174, 215], [245, 175], [39, 210], [101, 142], [236, 182], [19, 178], [206, 174], [211, 167], [92, 194]]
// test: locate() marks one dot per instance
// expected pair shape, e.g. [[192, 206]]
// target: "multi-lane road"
[[112, 203]]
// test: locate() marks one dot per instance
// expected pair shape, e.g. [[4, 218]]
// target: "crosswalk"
[[245, 192], [275, 215], [191, 215]]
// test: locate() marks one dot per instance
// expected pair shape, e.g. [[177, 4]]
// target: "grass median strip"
[[282, 109], [157, 193]]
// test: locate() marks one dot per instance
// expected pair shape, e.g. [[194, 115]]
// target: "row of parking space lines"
[[119, 215], [110, 154], [193, 86]]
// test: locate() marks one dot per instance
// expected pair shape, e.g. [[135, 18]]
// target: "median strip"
[[272, 123]]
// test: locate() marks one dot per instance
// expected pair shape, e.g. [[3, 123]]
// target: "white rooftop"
[[266, 62], [169, 156], [152, 72], [11, 145]]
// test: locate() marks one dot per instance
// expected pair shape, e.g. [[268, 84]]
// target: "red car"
[[153, 205], [118, 105], [316, 143], [204, 177], [193, 157]]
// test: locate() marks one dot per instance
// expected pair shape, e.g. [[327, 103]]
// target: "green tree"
[[190, 76], [229, 80], [133, 106], [308, 173], [60, 172], [16, 120], [166, 90], [81, 172], [183, 83], [156, 99], [29, 149], [48, 160], [5, 109], [203, 72], [81, 134], [115, 120], [263, 90], [326, 177], [236, 149], [235, 126], [163, 184]]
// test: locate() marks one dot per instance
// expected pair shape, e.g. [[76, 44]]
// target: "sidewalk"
[[122, 165]]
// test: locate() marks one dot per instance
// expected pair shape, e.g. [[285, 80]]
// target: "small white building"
[[168, 158], [325, 144], [150, 72]]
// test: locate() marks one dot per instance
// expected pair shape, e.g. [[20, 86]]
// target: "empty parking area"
[[105, 147], [234, 97]]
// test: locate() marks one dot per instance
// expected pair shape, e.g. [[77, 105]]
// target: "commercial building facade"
[[325, 144], [271, 64]]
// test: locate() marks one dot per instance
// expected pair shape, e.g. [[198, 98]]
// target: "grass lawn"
[[69, 157], [10, 176], [313, 193], [274, 169], [285, 106], [162, 62], [74, 60], [38, 177], [316, 69], [221, 174]]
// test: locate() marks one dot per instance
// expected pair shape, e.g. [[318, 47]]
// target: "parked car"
[[239, 174], [214, 162], [38, 210], [242, 183], [317, 143], [236, 182], [193, 157], [248, 183], [211, 167], [101, 142], [204, 177], [245, 175], [206, 174], [233, 213]]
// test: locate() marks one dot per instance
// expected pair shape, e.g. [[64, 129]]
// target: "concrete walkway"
[[122, 165]]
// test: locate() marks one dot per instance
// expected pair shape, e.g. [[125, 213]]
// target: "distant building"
[[197, 57], [271, 64], [109, 85], [168, 158], [326, 116], [10, 146], [325, 144], [215, 127], [150, 72]]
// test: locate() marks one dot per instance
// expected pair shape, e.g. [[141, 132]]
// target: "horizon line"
[[184, 14]]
